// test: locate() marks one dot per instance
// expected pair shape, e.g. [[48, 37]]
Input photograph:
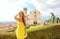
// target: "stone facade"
[[34, 17]]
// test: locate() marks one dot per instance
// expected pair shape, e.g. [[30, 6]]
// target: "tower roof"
[[25, 8]]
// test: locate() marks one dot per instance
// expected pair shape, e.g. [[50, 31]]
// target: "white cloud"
[[8, 8], [57, 11], [53, 2], [37, 4]]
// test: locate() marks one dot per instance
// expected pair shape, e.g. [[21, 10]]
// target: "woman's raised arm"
[[17, 17]]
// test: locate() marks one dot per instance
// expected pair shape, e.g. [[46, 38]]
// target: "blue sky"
[[9, 8]]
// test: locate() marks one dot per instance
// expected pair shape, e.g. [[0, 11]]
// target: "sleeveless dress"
[[21, 31]]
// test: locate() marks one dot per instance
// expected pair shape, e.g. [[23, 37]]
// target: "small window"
[[35, 22]]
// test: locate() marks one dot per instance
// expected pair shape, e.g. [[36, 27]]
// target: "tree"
[[53, 17], [58, 20]]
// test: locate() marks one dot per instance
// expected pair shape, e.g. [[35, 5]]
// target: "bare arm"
[[16, 17]]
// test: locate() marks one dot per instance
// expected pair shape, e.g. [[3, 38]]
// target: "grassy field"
[[46, 32], [36, 32]]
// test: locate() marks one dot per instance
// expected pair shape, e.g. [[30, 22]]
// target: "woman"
[[21, 29]]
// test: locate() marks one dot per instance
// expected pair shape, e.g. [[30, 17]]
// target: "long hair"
[[23, 19]]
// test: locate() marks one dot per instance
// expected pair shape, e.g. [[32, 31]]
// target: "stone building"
[[25, 11], [35, 18]]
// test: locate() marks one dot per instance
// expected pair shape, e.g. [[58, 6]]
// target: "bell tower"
[[25, 11]]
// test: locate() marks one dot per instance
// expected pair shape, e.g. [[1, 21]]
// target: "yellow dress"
[[20, 31]]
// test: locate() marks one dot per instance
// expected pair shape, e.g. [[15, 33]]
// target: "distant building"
[[34, 17], [25, 11]]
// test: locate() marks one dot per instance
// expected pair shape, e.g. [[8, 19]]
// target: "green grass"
[[7, 35], [46, 32], [36, 32]]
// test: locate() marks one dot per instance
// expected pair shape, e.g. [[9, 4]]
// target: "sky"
[[9, 8]]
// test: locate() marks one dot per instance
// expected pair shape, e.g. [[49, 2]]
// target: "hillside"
[[36, 32], [46, 32]]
